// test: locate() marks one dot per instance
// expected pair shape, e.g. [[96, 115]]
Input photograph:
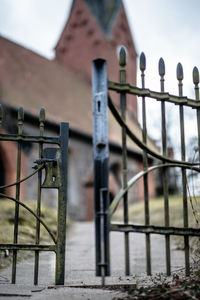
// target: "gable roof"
[[105, 12], [32, 81]]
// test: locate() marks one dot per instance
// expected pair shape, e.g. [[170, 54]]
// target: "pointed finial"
[[42, 120], [142, 62], [42, 114], [20, 113], [161, 67], [179, 72], [20, 119], [122, 57], [195, 75]]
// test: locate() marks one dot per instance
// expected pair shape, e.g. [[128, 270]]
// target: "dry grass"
[[27, 227], [156, 209]]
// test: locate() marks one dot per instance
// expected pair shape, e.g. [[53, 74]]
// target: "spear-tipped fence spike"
[[20, 113], [195, 75], [42, 114], [142, 62], [161, 67], [179, 71], [1, 112], [122, 57]]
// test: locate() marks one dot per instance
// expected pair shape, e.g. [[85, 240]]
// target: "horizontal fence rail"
[[163, 161], [54, 162]]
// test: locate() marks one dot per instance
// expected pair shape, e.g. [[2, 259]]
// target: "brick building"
[[93, 29]]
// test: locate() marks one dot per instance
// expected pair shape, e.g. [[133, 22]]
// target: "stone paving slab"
[[80, 282]]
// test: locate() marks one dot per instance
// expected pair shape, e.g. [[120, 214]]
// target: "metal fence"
[[103, 209], [54, 162]]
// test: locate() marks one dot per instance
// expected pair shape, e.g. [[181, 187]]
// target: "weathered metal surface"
[[37, 237], [145, 166], [142, 145], [50, 159], [134, 179], [54, 161], [101, 168], [28, 247], [161, 68], [19, 150], [184, 180], [156, 229], [29, 139], [122, 76], [62, 205], [124, 88]]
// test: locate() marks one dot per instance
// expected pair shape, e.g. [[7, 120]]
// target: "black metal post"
[[62, 206], [101, 166]]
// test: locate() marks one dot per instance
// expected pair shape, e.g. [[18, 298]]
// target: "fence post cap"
[[142, 61], [42, 114], [20, 113], [179, 71], [195, 75], [161, 67], [122, 56]]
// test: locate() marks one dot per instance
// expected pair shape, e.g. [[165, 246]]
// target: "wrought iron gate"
[[54, 161], [103, 209]]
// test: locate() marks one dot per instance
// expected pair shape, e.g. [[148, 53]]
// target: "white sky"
[[167, 28]]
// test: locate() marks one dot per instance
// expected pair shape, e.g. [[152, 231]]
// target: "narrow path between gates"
[[80, 267]]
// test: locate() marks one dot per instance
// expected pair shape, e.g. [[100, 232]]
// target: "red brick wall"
[[83, 40], [8, 152], [151, 185]]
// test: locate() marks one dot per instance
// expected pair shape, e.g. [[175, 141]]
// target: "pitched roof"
[[32, 81], [105, 12]]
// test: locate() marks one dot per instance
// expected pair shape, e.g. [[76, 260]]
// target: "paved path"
[[80, 267]]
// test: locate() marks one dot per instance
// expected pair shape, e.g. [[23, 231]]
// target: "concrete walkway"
[[80, 267]]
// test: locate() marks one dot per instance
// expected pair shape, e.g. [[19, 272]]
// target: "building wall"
[[80, 175], [8, 153], [83, 40]]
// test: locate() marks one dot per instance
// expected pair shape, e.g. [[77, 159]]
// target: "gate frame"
[[56, 166], [99, 76]]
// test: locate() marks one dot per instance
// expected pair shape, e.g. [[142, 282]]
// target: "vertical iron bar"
[[37, 240], [62, 206], [102, 214], [1, 125], [101, 167], [122, 64], [15, 239], [165, 170], [1, 116], [184, 182], [145, 164], [196, 83]]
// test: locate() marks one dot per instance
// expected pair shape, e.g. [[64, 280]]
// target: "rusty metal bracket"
[[51, 157]]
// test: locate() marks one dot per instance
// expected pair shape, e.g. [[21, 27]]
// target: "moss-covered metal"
[[54, 162], [163, 161]]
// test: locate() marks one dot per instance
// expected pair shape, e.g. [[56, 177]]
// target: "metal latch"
[[50, 159]]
